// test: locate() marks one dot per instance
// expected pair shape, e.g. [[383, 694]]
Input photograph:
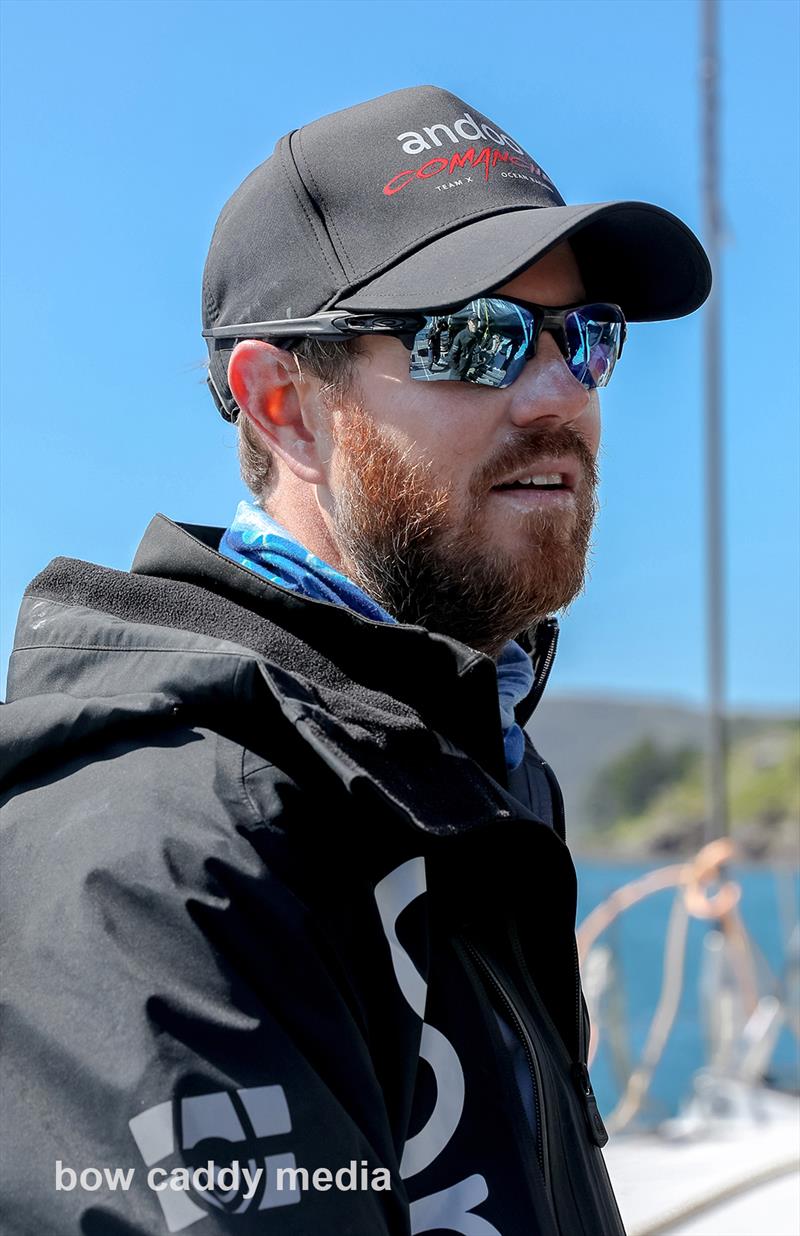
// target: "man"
[[462, 352], [287, 887], [437, 332], [489, 356]]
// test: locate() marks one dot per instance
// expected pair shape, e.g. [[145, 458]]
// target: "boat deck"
[[738, 1177]]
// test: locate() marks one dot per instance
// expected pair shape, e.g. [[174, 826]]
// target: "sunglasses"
[[485, 342]]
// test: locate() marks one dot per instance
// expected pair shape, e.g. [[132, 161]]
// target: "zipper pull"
[[594, 1121], [543, 651]]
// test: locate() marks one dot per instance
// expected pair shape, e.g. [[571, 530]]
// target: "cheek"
[[447, 430], [591, 423], [450, 426], [434, 421]]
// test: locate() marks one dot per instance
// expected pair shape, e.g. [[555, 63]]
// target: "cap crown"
[[347, 196]]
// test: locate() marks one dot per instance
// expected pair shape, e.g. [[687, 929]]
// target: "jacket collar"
[[451, 686], [394, 711], [189, 552]]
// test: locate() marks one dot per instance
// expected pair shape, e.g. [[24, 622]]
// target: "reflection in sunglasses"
[[488, 341]]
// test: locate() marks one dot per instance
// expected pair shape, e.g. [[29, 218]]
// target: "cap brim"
[[631, 253]]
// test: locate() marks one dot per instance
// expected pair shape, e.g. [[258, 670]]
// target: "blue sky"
[[127, 125]]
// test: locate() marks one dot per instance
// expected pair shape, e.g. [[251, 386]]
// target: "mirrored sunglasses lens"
[[594, 338], [484, 342]]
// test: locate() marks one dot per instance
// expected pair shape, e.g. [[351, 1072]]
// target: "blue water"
[[637, 939]]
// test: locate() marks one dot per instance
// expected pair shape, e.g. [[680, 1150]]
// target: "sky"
[[127, 125]]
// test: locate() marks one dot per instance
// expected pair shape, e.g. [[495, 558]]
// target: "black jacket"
[[463, 351], [265, 883]]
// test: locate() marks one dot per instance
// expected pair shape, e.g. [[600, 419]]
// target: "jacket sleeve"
[[173, 1002]]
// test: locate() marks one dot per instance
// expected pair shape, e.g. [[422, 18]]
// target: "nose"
[[546, 391]]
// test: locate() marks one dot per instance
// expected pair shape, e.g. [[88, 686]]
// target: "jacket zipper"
[[580, 1071], [542, 1149], [545, 643], [578, 1068], [544, 651]]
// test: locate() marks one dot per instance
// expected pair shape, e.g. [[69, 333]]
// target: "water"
[[637, 939]]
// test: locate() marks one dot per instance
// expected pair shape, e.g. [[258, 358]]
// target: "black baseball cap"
[[414, 201]]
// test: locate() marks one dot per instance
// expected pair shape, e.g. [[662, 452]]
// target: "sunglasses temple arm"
[[322, 326]]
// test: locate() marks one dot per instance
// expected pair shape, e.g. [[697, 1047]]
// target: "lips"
[[552, 480], [546, 475]]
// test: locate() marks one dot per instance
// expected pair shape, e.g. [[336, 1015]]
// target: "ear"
[[282, 404]]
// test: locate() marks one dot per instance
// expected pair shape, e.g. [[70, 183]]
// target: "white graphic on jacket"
[[450, 1209], [264, 1110]]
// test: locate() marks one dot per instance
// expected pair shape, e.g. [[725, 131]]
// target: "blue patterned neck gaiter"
[[257, 541]]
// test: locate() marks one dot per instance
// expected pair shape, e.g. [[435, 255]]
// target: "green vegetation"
[[627, 786], [652, 798]]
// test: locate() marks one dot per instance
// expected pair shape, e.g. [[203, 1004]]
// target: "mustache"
[[527, 447]]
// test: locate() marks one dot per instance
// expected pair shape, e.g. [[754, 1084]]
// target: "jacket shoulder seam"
[[256, 815], [262, 766], [193, 651]]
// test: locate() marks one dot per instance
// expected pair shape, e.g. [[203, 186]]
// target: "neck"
[[293, 503]]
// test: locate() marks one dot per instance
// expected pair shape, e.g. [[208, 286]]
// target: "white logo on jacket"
[[451, 1208], [264, 1110]]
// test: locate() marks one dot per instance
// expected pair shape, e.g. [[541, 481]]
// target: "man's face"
[[418, 516]]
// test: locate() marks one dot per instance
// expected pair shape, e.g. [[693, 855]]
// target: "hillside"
[[589, 740]]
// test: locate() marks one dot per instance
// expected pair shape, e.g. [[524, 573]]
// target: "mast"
[[717, 798]]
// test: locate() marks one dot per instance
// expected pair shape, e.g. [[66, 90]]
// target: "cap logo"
[[518, 166], [414, 143], [488, 158]]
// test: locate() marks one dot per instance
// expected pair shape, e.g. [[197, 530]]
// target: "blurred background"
[[125, 127]]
